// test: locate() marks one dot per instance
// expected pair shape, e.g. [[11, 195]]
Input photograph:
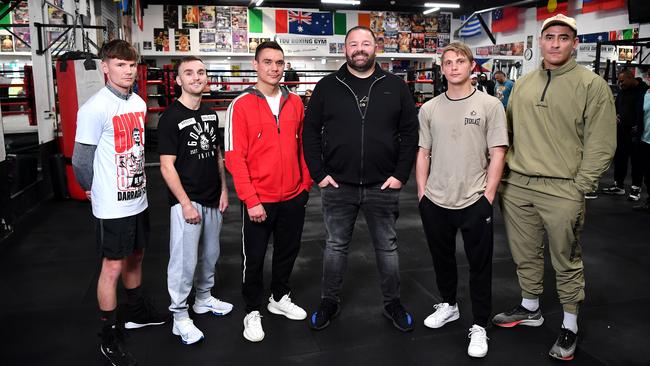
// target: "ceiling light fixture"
[[342, 2], [442, 5], [429, 11], [259, 2]]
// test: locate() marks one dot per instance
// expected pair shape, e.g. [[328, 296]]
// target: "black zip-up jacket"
[[629, 105], [360, 149]]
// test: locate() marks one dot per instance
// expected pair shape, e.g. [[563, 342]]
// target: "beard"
[[362, 66]]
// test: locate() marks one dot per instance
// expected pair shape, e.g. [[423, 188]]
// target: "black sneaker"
[[518, 315], [401, 318], [327, 311], [614, 189], [635, 193], [144, 314], [565, 345], [591, 195], [113, 348]]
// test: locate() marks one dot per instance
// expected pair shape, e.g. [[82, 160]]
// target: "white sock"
[[530, 304], [570, 322]]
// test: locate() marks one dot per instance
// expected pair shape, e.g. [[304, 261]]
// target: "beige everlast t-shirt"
[[459, 133]]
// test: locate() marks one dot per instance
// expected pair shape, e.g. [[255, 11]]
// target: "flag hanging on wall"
[[472, 28], [550, 8], [589, 6], [268, 21], [505, 19], [311, 23], [364, 19], [340, 24]]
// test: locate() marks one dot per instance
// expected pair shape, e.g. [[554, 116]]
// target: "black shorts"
[[119, 238]]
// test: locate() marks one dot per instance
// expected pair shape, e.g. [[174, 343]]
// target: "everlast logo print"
[[129, 155], [473, 120], [202, 140]]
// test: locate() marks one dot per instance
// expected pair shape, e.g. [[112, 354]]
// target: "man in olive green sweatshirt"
[[562, 122]]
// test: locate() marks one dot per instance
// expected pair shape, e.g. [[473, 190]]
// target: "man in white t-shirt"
[[108, 162], [463, 141]]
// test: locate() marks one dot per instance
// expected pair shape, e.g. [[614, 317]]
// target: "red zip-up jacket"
[[265, 154]]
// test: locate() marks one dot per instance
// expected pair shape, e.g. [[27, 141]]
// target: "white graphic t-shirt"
[[116, 126]]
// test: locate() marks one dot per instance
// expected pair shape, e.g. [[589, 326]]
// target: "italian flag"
[[268, 21]]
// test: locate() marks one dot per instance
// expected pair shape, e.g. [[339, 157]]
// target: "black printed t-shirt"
[[360, 87], [193, 137]]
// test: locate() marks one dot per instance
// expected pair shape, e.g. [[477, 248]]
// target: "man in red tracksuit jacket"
[[263, 143]]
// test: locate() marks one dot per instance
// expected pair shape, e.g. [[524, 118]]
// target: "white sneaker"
[[478, 346], [212, 304], [287, 308], [253, 326], [186, 329], [444, 314]]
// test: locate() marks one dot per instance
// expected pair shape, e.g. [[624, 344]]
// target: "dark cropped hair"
[[119, 49], [360, 27], [184, 60], [268, 44]]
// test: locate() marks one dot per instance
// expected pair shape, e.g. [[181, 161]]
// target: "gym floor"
[[49, 316]]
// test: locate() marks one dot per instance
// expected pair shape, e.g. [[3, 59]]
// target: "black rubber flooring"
[[49, 269]]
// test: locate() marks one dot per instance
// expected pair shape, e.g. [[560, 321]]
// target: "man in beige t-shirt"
[[463, 141]]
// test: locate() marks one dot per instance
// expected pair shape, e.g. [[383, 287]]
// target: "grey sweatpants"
[[193, 254]]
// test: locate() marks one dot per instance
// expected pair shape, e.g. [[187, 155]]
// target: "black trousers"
[[285, 221], [627, 149], [475, 224]]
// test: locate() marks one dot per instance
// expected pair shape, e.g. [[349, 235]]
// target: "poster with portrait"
[[443, 40], [390, 43], [207, 40], [253, 42], [377, 21], [430, 44], [190, 16], [161, 39], [147, 46], [417, 23], [23, 33], [55, 15], [239, 18], [223, 18], [404, 42], [239, 43], [391, 24], [21, 13], [444, 22], [417, 42], [6, 43], [404, 21], [170, 16], [207, 16], [182, 37], [224, 41], [109, 30], [431, 25], [380, 41]]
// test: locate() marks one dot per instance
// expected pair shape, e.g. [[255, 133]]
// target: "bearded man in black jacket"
[[360, 137]]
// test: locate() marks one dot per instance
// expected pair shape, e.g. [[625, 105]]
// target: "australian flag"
[[310, 23]]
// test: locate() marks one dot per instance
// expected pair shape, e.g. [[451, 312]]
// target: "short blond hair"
[[458, 47]]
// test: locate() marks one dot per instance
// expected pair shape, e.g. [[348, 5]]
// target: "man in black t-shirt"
[[191, 164]]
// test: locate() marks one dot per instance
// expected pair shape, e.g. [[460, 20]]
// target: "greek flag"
[[472, 28]]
